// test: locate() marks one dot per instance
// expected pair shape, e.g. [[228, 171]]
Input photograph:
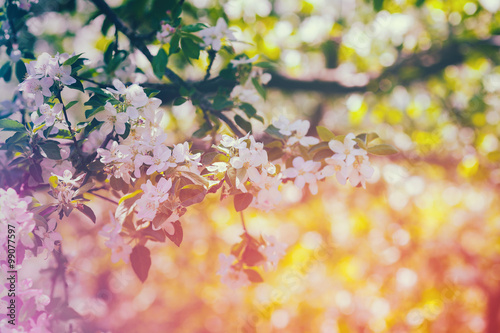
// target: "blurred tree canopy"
[[418, 251]]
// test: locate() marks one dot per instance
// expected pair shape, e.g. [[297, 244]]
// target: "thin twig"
[[100, 85], [77, 147], [211, 58], [243, 222], [103, 197]]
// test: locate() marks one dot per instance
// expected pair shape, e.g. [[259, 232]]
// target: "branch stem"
[[77, 147], [243, 222]]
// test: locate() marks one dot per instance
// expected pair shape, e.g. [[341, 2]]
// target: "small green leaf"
[[259, 87], [274, 132], [6, 72], [378, 5], [77, 86], [180, 101], [248, 109], [383, 149], [51, 149], [325, 134], [20, 70], [90, 112], [194, 27], [160, 63], [246, 125], [202, 131], [108, 54], [70, 104], [174, 44], [72, 60], [11, 125], [140, 258], [190, 48]]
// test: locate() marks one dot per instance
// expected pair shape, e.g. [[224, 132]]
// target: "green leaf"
[[325, 134], [174, 44], [11, 125], [194, 27], [242, 201], [20, 70], [221, 102], [77, 86], [383, 149], [70, 104], [274, 132], [160, 61], [248, 109], [202, 131], [106, 24], [246, 125], [90, 112], [72, 60], [140, 258], [378, 5], [119, 57], [99, 91], [178, 234], [419, 3], [51, 149], [259, 87], [108, 54], [151, 92], [180, 101], [6, 71], [190, 48]]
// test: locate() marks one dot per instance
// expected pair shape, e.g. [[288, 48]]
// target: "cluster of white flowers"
[[214, 36], [231, 275], [165, 33], [41, 75], [14, 215], [64, 190], [296, 131], [273, 250], [33, 302], [254, 172], [119, 249], [347, 162], [18, 225], [144, 150]]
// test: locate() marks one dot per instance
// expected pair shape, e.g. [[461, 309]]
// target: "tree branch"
[[177, 81], [406, 70], [77, 147]]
